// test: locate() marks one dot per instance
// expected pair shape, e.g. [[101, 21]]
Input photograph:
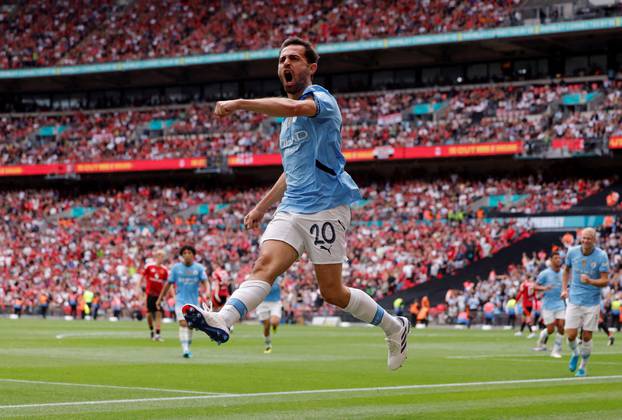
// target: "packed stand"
[[48, 33], [398, 239], [469, 115], [39, 33]]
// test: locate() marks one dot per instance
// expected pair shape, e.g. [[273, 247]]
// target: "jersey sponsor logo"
[[296, 138]]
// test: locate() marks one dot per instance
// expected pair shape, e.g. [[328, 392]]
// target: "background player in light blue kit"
[[549, 281], [187, 276], [269, 313], [314, 214], [587, 268]]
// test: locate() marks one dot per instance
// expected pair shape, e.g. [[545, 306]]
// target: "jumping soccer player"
[[553, 307], [587, 269], [187, 276], [269, 313], [154, 275], [314, 213]]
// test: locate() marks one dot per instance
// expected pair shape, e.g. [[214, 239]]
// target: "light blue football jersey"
[[592, 265], [312, 158], [186, 280], [551, 299], [275, 291]]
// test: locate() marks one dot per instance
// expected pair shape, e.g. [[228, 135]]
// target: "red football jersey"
[[528, 294], [156, 275]]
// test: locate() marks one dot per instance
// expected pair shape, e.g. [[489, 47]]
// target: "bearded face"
[[294, 71]]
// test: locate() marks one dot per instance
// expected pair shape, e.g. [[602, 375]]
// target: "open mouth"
[[289, 76]]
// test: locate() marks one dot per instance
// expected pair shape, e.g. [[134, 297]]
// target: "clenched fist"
[[224, 108]]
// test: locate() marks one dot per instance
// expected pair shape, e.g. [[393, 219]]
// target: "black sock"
[[158, 331], [522, 326]]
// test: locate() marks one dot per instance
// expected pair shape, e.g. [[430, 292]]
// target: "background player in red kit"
[[155, 275], [221, 288], [527, 292]]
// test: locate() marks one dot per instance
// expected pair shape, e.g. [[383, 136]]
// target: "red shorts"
[[527, 310]]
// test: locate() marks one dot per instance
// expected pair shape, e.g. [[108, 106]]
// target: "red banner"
[[397, 153], [572, 145], [615, 142], [104, 167], [354, 155]]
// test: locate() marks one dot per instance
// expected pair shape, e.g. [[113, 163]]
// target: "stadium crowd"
[[402, 234], [469, 115], [79, 31]]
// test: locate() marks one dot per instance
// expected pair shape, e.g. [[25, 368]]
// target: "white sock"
[[573, 347], [268, 340], [558, 341], [363, 307], [184, 333], [586, 352], [250, 294], [543, 334]]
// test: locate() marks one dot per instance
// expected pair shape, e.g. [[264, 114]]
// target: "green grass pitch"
[[60, 369]]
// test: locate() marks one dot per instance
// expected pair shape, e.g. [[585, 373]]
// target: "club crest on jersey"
[[593, 264]]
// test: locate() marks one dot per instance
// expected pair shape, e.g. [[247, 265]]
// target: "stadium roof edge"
[[323, 49]]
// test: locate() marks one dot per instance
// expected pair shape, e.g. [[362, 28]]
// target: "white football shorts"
[[585, 317], [267, 310], [548, 317], [321, 235]]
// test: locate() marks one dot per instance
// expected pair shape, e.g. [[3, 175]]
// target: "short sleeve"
[[540, 280], [325, 104], [202, 274], [173, 277], [568, 260], [603, 267]]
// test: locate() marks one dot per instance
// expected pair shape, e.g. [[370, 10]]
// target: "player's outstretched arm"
[[253, 218], [274, 107]]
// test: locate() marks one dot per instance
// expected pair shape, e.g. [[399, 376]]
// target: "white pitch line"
[[137, 388], [506, 355], [101, 334], [314, 391]]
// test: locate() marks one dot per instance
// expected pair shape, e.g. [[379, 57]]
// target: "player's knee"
[[335, 296]]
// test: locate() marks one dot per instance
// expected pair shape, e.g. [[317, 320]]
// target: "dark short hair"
[[310, 54], [187, 248], [554, 253]]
